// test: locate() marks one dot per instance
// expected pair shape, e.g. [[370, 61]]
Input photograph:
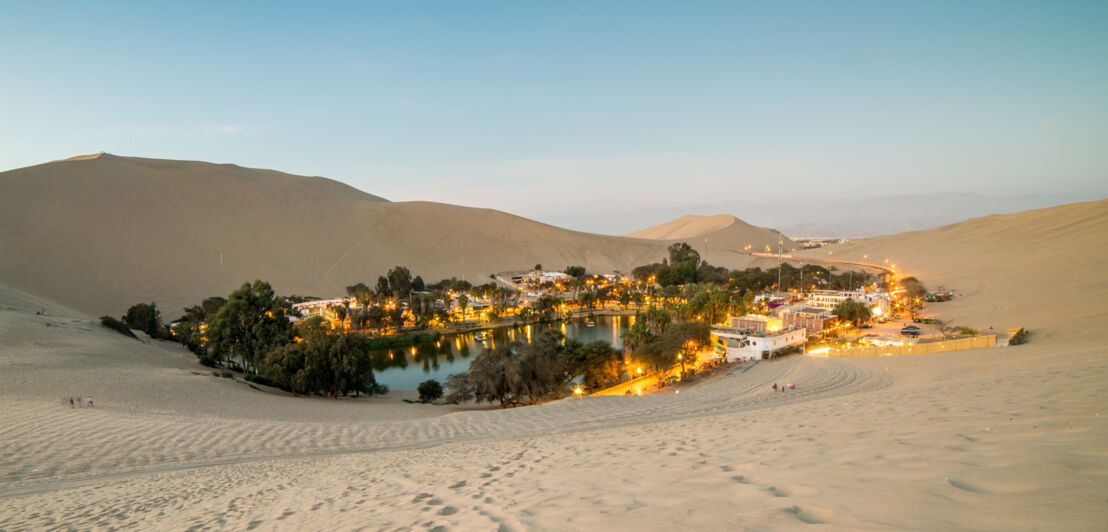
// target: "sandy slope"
[[104, 232], [1002, 439], [1042, 269], [689, 226], [719, 239]]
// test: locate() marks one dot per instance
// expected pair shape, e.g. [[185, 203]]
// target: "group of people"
[[77, 401], [783, 387]]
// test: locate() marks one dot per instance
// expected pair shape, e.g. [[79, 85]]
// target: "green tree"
[[253, 321], [537, 368], [324, 364], [587, 299], [913, 288], [341, 312], [459, 390], [418, 285], [597, 363], [488, 374], [682, 338], [429, 390], [145, 318], [400, 281], [375, 317], [383, 286], [682, 253], [852, 311], [575, 271], [463, 303], [514, 372]]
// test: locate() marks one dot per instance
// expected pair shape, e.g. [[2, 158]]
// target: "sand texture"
[[106, 232], [714, 235], [999, 439]]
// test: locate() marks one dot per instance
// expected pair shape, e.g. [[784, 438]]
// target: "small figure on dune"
[[775, 386], [792, 385], [90, 401], [71, 402]]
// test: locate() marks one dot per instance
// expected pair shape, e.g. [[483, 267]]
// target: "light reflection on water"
[[404, 368]]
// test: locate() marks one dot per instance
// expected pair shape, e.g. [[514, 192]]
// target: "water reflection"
[[404, 368]]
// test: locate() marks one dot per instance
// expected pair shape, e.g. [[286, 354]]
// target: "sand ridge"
[[996, 439], [105, 233]]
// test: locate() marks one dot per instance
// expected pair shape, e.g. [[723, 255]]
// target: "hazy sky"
[[543, 107]]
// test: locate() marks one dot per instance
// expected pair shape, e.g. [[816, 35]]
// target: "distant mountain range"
[[852, 217]]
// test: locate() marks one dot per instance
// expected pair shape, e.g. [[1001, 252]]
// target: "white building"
[[879, 302], [554, 277], [323, 307], [745, 344]]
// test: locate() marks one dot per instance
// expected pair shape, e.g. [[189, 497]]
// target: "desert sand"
[[105, 232], [720, 239], [998, 439]]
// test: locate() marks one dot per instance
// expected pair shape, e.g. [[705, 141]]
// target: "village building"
[[815, 319], [878, 302], [738, 344]]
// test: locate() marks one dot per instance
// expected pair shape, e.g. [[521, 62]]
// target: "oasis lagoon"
[[403, 368]]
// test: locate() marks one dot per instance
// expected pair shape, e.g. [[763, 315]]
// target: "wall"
[[961, 344]]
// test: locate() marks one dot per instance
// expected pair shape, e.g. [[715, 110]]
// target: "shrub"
[[260, 379], [429, 390], [144, 317], [378, 389], [968, 331], [117, 326], [402, 340]]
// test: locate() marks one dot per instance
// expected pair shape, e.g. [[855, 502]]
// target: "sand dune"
[[1040, 269], [103, 232], [999, 439], [722, 232], [689, 226]]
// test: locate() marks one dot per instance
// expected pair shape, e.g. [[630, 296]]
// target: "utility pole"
[[780, 259]]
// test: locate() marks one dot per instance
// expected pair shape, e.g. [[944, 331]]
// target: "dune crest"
[[103, 233], [688, 226]]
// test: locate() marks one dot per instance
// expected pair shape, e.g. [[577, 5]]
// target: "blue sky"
[[621, 105]]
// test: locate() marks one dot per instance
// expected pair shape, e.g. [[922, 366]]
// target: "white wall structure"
[[742, 344]]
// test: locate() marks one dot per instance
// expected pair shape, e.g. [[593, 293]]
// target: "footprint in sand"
[[798, 491], [812, 515]]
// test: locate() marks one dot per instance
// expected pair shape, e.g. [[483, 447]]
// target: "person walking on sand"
[[774, 388], [90, 401], [70, 402]]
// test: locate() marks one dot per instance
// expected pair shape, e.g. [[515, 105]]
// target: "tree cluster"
[[852, 311], [512, 373], [684, 266], [597, 364], [656, 341], [323, 364], [252, 322], [913, 288]]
